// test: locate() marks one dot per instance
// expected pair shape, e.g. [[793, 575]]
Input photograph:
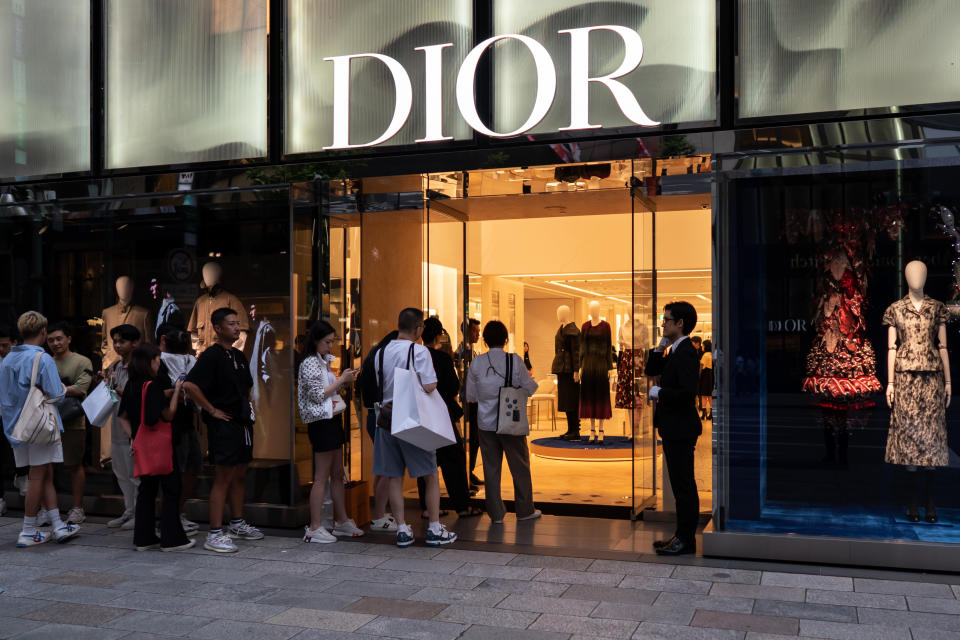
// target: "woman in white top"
[[321, 408], [484, 380]]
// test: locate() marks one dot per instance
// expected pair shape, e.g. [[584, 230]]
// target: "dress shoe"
[[660, 544], [913, 515], [931, 515], [677, 548], [475, 481], [571, 437]]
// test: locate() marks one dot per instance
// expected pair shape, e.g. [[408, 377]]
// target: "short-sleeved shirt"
[[15, 382], [224, 377], [75, 371], [395, 355], [918, 343], [130, 404]]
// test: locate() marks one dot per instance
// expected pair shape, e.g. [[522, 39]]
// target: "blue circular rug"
[[613, 448]]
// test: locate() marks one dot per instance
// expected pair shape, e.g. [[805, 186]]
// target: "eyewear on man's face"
[[667, 319]]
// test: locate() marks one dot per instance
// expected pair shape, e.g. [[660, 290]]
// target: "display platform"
[[613, 448]]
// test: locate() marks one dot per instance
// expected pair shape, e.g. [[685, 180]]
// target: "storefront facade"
[[490, 160]]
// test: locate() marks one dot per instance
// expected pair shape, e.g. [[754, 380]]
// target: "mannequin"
[[124, 312], [214, 297], [566, 362], [918, 387], [596, 360], [632, 357]]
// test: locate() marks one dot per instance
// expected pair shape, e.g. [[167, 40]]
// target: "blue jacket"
[[15, 383]]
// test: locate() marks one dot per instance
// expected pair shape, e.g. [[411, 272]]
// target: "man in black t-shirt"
[[220, 384]]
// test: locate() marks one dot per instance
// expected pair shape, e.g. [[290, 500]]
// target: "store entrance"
[[592, 247]]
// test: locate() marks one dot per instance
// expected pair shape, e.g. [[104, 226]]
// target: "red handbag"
[[153, 445]]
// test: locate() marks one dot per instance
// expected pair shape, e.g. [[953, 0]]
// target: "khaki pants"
[[122, 463], [493, 447]]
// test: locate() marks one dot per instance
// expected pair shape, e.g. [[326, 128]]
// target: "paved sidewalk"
[[97, 586]]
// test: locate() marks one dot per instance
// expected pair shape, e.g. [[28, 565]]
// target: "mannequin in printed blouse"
[[918, 387]]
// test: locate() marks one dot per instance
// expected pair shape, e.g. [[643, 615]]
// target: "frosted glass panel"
[[836, 55], [675, 82], [319, 29], [186, 81], [45, 76]]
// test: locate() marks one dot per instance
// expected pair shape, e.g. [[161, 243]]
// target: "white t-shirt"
[[395, 355]]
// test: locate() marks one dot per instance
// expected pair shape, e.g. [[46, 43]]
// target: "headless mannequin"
[[199, 327], [594, 308], [565, 363], [124, 312], [916, 277]]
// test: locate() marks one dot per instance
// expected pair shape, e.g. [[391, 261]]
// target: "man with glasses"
[[677, 363]]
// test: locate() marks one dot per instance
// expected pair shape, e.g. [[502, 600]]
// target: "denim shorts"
[[392, 455]]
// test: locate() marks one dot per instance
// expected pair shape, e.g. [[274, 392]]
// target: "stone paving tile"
[[310, 600], [467, 614], [416, 565], [579, 577], [522, 586], [757, 592], [208, 560], [72, 632], [319, 619], [659, 631], [89, 615], [632, 568], [233, 629], [479, 557], [710, 603], [480, 598], [169, 586], [745, 622], [904, 588], [10, 627], [956, 590], [933, 605], [80, 595], [806, 581], [666, 584], [231, 610], [846, 631], [496, 571], [858, 599], [223, 576], [806, 610], [934, 634], [168, 624], [752, 635], [242, 592], [396, 608], [479, 632], [713, 574], [440, 580], [373, 589], [911, 619], [551, 562], [153, 602], [291, 581], [335, 558], [286, 568], [588, 626], [622, 595], [393, 551], [361, 574], [320, 634], [83, 578], [13, 607], [541, 604], [413, 629], [642, 612]]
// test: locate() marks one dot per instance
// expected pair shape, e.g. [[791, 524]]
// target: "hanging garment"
[[630, 362], [596, 359], [566, 360]]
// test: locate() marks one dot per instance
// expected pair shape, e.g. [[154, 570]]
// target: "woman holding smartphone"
[[321, 407]]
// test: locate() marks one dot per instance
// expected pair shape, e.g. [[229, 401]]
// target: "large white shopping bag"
[[99, 405], [419, 418]]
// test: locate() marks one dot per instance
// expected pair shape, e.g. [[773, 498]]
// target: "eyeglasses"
[[668, 319]]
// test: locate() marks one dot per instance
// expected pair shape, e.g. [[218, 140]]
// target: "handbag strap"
[[410, 355], [36, 367], [380, 373], [143, 404], [508, 379]]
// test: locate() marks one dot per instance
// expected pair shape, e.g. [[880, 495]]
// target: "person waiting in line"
[[381, 521], [705, 383], [125, 338], [141, 407], [16, 372], [452, 459], [463, 358], [318, 394], [486, 376], [76, 373], [6, 453]]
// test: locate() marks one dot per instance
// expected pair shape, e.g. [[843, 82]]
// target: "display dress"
[[918, 426], [596, 359], [566, 360]]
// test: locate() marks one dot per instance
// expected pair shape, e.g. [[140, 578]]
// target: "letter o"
[[546, 85]]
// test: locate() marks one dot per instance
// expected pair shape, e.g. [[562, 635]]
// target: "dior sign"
[[578, 84]]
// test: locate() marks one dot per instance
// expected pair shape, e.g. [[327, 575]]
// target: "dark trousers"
[[679, 458], [573, 422], [452, 461], [171, 531], [473, 433]]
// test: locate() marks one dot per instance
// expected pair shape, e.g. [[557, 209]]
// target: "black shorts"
[[326, 435], [229, 443]]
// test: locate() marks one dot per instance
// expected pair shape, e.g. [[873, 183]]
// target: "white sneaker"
[[320, 535], [32, 539], [129, 525], [3, 506], [43, 517], [66, 532], [386, 524], [189, 526], [76, 516], [219, 542], [243, 531], [348, 528], [533, 516], [441, 536], [119, 521], [22, 483], [182, 547]]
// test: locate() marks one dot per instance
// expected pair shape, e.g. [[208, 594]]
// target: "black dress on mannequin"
[[566, 360]]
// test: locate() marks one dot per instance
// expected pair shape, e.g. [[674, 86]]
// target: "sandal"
[[470, 512]]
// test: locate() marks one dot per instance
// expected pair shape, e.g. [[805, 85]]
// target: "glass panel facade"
[[675, 82], [316, 31], [45, 72], [837, 55], [186, 81]]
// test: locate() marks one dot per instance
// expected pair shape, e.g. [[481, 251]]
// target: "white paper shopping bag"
[[99, 405], [419, 418]]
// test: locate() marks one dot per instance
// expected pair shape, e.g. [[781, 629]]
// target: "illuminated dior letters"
[[546, 87]]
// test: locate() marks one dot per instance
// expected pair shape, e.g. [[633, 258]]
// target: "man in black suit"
[[677, 420]]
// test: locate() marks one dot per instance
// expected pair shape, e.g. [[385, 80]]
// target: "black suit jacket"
[[676, 414]]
